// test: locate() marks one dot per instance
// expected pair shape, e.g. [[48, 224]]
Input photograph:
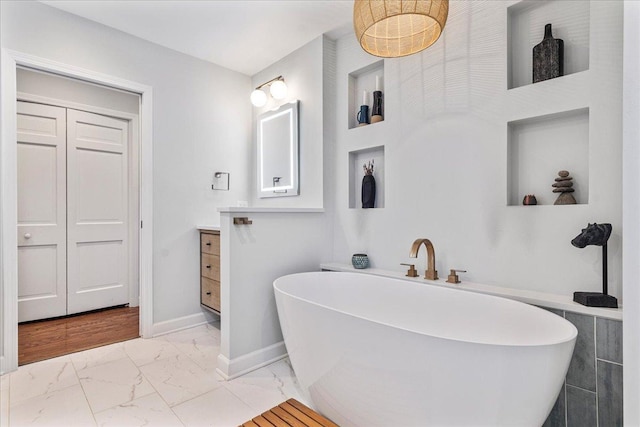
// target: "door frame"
[[10, 60]]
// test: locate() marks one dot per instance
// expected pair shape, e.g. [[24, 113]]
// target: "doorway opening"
[[78, 215], [11, 61]]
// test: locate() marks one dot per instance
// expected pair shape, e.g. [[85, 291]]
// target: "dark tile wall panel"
[[592, 395], [609, 394], [609, 340], [582, 370], [581, 408]]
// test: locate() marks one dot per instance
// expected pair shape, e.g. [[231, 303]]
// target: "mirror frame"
[[268, 189]]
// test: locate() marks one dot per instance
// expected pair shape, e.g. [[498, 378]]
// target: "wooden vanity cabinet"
[[210, 270]]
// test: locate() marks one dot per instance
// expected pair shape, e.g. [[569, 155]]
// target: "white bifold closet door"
[[42, 211], [97, 212], [73, 211]]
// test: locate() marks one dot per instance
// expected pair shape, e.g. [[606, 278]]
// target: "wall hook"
[[242, 220]]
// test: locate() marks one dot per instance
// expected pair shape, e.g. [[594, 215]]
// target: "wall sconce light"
[[277, 88]]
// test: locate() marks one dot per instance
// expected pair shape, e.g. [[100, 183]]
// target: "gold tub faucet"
[[431, 272]]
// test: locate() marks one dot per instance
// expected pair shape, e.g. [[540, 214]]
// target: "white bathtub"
[[373, 351]]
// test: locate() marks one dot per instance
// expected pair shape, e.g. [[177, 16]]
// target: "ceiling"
[[245, 36]]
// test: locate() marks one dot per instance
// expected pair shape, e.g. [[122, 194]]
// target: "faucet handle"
[[453, 277], [412, 272]]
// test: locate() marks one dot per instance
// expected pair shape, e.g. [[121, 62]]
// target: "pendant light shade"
[[394, 28]]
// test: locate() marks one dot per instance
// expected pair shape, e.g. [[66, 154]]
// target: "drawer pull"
[[208, 293], [208, 266], [208, 243]]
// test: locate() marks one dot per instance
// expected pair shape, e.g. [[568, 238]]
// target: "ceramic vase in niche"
[[548, 57], [368, 187], [363, 115], [376, 110]]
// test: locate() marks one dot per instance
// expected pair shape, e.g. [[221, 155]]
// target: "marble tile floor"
[[164, 381]]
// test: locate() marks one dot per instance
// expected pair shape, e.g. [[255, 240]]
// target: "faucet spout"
[[430, 273]]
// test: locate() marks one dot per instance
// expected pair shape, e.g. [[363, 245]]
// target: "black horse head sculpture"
[[594, 234]]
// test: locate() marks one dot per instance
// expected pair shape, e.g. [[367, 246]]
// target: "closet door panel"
[[41, 155], [97, 218], [99, 192], [36, 282], [38, 170]]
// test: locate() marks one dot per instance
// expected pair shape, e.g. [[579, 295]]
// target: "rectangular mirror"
[[278, 152]]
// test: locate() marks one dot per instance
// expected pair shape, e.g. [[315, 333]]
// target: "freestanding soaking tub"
[[373, 351]]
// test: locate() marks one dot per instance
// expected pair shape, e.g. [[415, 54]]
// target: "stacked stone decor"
[[564, 186]]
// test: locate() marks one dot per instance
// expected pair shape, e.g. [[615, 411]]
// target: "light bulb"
[[278, 89], [258, 98]]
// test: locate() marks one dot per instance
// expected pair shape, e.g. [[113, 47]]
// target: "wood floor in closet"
[[45, 339]]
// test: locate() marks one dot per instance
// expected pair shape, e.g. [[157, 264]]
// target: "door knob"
[[27, 235]]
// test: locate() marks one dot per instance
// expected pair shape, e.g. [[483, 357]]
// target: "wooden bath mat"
[[290, 414]]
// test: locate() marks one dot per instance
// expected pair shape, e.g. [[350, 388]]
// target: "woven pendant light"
[[393, 28]]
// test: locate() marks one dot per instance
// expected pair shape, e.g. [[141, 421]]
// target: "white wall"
[[280, 242], [303, 74], [631, 212], [252, 257], [445, 139], [201, 124], [329, 137]]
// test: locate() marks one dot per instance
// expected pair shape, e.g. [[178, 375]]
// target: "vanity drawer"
[[210, 270], [210, 243], [210, 266], [210, 293]]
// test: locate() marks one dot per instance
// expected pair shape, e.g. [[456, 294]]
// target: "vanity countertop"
[[208, 227]]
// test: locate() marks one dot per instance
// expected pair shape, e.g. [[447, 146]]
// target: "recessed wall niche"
[[539, 147], [357, 159], [359, 81], [525, 29]]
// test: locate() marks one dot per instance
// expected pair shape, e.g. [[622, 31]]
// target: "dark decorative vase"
[[548, 57], [363, 115], [376, 111], [368, 191]]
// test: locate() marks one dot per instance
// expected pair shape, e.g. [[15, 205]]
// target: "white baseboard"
[[2, 367], [174, 325], [5, 368], [230, 369]]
